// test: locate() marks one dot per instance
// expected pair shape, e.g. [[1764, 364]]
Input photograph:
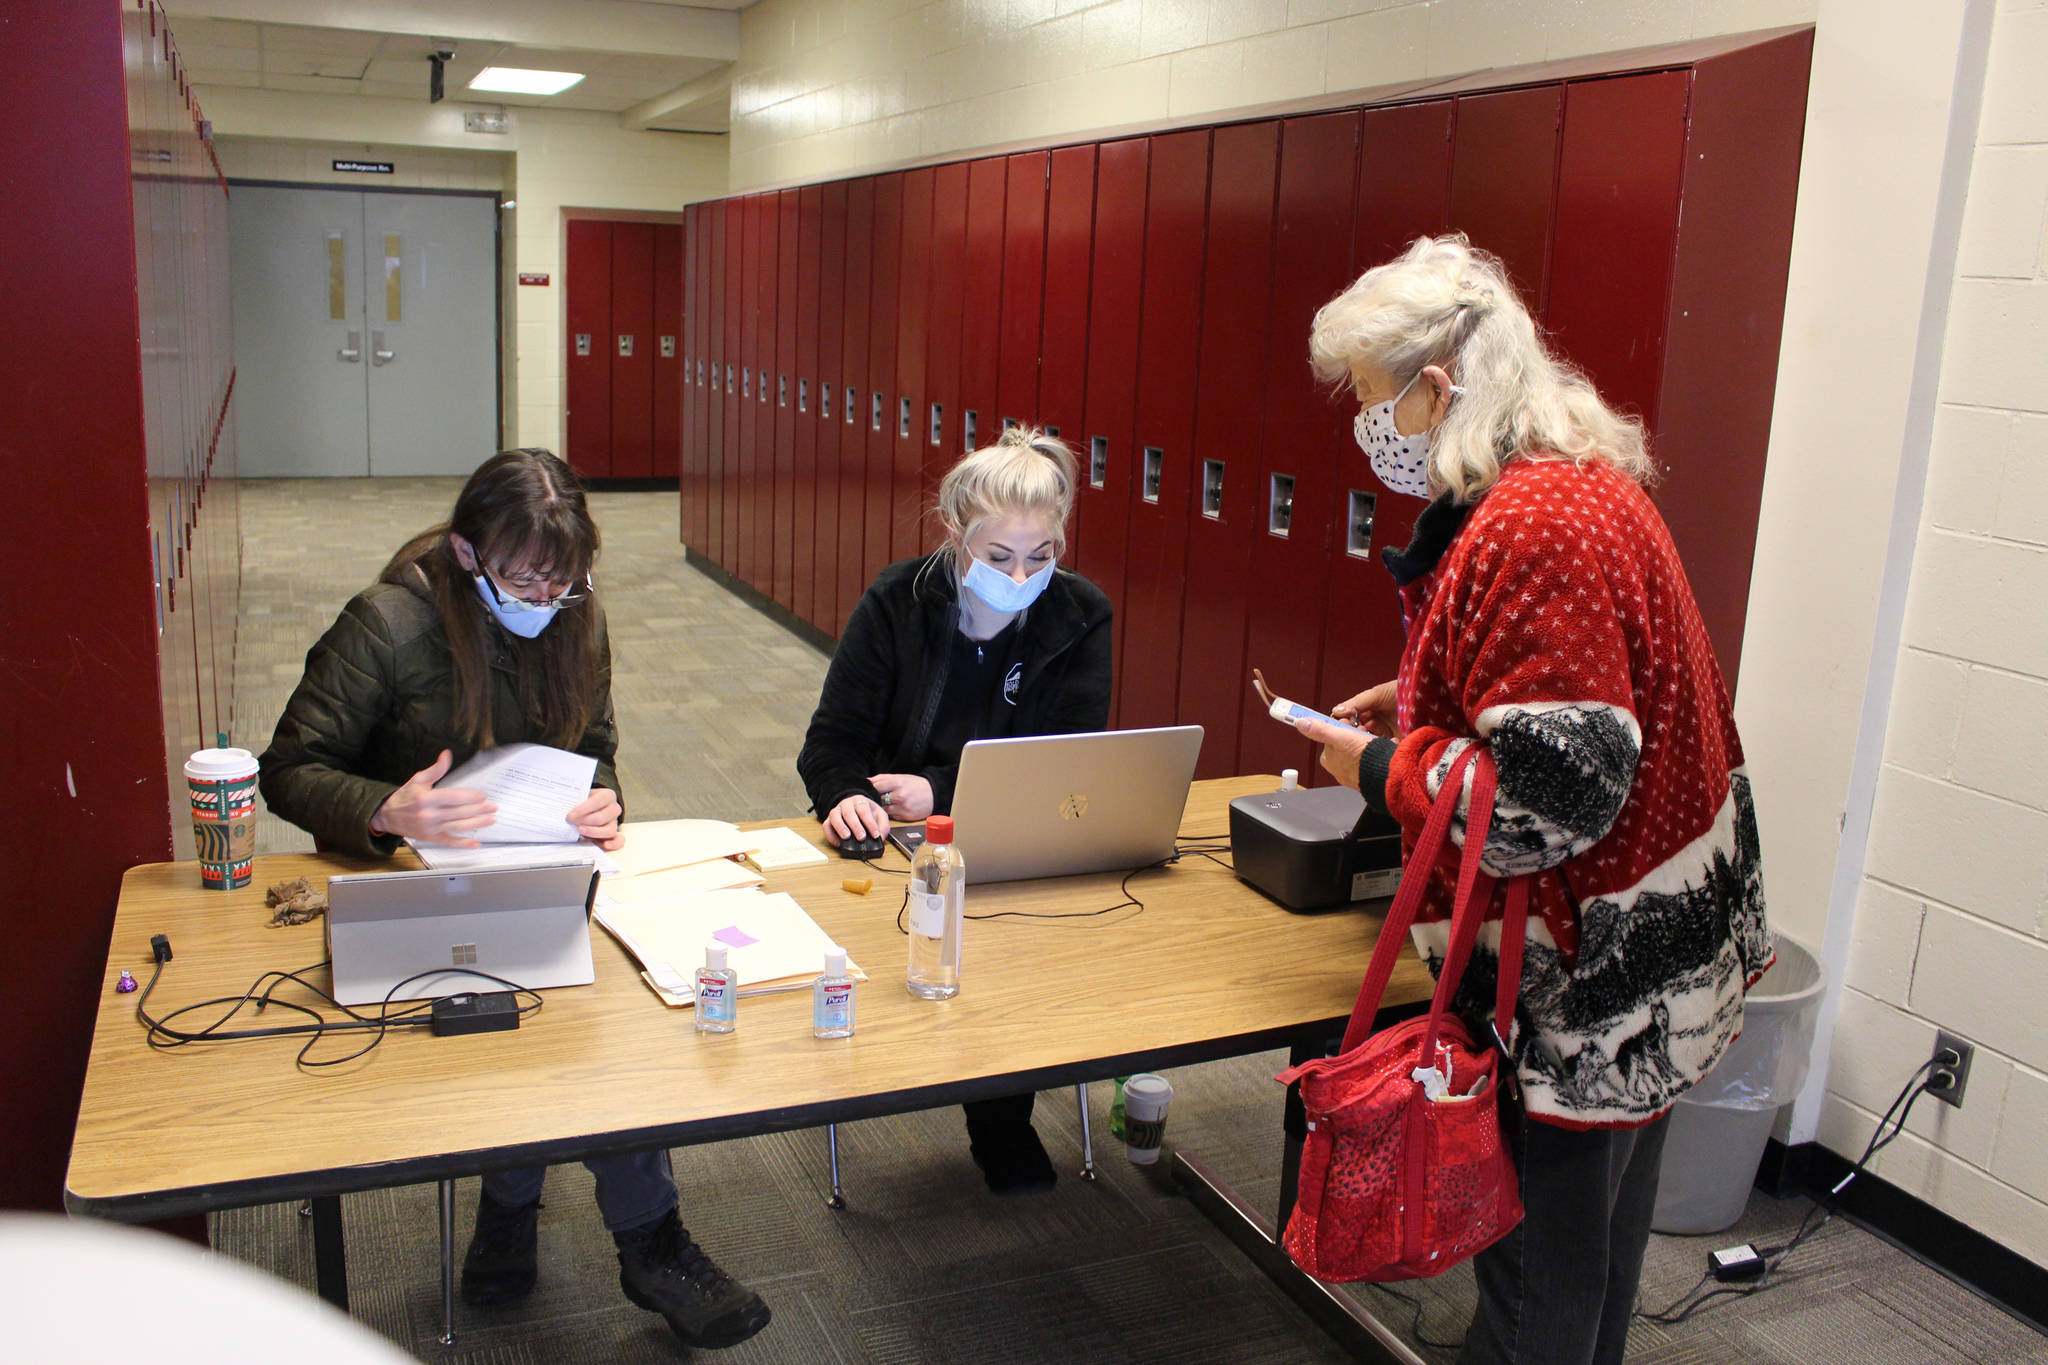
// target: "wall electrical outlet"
[[1953, 1093]]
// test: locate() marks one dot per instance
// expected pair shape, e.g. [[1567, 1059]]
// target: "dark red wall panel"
[[1023, 288], [1503, 178], [1236, 283], [744, 466], [880, 418], [1116, 272], [1404, 192], [915, 287], [731, 237], [696, 304], [1725, 318], [670, 352], [1161, 495], [587, 306], [825, 394], [1307, 434], [850, 573], [1618, 178], [803, 402]]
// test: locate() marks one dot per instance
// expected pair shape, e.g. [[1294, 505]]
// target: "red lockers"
[[1105, 451], [1160, 499], [1306, 435], [1236, 278], [623, 303], [1150, 298]]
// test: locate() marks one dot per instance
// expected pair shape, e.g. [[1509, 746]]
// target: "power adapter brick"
[[475, 1012]]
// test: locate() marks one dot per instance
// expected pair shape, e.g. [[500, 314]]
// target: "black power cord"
[[1772, 1258], [261, 994]]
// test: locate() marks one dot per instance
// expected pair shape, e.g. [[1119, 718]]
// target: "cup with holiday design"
[[222, 783], [1145, 1100]]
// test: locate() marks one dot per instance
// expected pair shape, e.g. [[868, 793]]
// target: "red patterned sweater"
[[1552, 621]]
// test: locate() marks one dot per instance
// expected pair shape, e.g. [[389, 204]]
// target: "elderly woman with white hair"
[[988, 638], [1549, 620]]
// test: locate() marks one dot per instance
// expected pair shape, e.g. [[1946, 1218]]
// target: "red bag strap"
[[1394, 931], [1474, 895]]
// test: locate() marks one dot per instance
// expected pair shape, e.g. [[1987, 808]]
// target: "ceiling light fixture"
[[517, 80]]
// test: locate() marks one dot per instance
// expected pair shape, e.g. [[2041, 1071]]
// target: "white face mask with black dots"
[[1402, 462]]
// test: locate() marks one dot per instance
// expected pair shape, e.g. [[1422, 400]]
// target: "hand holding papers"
[[534, 787]]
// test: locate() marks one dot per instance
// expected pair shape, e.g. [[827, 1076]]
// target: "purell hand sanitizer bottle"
[[717, 992], [938, 890], [832, 998]]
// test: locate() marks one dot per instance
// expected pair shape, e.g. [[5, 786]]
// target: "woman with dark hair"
[[483, 632]]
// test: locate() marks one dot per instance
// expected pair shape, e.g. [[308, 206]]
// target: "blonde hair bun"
[[1027, 471]]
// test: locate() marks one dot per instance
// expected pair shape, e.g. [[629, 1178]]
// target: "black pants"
[[1000, 1112], [1560, 1288]]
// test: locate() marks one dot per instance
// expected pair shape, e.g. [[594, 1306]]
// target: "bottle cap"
[[835, 961], [1281, 710], [1290, 778], [939, 830], [714, 955]]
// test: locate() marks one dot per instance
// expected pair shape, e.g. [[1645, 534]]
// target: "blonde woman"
[[988, 638], [1549, 619]]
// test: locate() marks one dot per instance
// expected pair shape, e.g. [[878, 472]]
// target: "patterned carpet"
[[924, 1265]]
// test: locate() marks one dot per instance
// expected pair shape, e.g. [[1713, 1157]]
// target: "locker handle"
[[353, 351], [378, 355]]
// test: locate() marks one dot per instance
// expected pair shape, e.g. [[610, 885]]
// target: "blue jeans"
[[1560, 1288], [632, 1190]]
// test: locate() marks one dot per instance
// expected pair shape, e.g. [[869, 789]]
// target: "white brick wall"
[[827, 87], [1951, 929]]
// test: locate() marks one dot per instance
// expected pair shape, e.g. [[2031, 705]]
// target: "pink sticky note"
[[735, 936]]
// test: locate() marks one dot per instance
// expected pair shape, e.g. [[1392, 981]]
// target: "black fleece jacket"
[[889, 671]]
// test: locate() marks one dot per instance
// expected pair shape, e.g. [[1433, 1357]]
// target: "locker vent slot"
[[969, 431], [903, 417], [938, 422], [668, 348], [1053, 432], [803, 395], [1011, 424], [746, 383], [1155, 470], [1098, 461], [583, 343], [763, 390], [825, 401], [1358, 536], [781, 389], [728, 379], [1280, 504], [1212, 489], [626, 345], [852, 404], [877, 418]]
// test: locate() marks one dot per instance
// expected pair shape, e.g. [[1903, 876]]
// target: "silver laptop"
[[1057, 805], [528, 925]]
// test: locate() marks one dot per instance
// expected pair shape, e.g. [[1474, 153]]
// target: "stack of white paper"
[[534, 787]]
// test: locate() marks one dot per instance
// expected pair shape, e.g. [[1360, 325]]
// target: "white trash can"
[[1719, 1127]]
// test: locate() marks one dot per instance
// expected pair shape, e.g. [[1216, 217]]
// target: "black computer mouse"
[[863, 848]]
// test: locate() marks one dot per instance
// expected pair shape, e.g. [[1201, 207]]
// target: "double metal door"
[[366, 331]]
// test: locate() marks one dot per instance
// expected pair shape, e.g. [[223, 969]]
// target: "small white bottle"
[[718, 988], [938, 892], [832, 998]]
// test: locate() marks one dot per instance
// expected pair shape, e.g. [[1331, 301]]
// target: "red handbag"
[[1405, 1172]]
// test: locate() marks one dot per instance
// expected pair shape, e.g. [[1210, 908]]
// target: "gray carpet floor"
[[923, 1265]]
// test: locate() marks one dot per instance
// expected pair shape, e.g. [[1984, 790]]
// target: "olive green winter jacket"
[[376, 706]]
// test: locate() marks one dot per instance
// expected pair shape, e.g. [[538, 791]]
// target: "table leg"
[[330, 1259], [447, 1263], [1087, 1138], [1344, 1318], [838, 1199]]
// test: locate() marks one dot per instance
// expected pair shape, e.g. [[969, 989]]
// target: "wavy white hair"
[[1445, 302]]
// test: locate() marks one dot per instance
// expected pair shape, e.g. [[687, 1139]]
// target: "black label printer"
[[1315, 848]]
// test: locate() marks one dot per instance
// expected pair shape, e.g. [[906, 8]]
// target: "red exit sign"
[[533, 277]]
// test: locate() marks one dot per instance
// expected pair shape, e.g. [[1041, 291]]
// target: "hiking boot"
[[665, 1272], [1012, 1159], [503, 1261]]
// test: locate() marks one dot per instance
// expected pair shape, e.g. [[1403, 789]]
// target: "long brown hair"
[[520, 507]]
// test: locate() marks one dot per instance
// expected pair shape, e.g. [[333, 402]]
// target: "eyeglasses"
[[528, 580]]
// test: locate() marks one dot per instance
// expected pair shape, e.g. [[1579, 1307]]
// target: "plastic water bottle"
[[938, 893]]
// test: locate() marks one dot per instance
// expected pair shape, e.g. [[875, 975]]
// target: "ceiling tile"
[[335, 42]]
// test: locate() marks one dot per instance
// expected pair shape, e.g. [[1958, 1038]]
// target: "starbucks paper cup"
[[222, 783]]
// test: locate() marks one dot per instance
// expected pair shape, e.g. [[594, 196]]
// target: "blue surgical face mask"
[[523, 620], [1000, 592]]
